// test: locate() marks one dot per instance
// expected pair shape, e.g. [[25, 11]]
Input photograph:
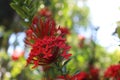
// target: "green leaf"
[[26, 9], [29, 2], [66, 62], [18, 10], [24, 23], [118, 31]]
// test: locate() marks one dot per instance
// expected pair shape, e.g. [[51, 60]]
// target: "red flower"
[[64, 31], [39, 29], [94, 73], [17, 54], [43, 27], [113, 72], [48, 50], [47, 46], [81, 37], [81, 41], [80, 76], [45, 12]]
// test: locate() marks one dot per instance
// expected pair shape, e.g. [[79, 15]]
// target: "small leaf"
[[118, 31], [29, 2], [66, 62], [26, 10], [26, 24]]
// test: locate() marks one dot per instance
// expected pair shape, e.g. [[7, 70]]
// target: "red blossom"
[[39, 29], [47, 46], [80, 76], [113, 72], [45, 12], [64, 31], [81, 37], [48, 50], [81, 40], [35, 20], [17, 54], [94, 73], [29, 32]]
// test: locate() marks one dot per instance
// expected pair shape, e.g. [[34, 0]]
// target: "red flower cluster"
[[47, 45], [48, 50], [64, 31], [113, 72], [93, 74]]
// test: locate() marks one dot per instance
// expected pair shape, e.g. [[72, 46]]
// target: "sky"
[[105, 14]]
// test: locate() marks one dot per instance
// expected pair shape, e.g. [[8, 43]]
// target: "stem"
[[63, 74], [61, 71], [46, 75]]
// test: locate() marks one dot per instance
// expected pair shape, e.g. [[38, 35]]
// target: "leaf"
[[18, 10], [118, 31], [66, 62], [29, 2], [25, 8], [26, 24]]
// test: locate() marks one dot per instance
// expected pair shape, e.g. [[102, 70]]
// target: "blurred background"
[[93, 39]]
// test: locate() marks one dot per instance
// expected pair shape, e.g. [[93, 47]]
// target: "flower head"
[[47, 46], [48, 50], [113, 72], [40, 28]]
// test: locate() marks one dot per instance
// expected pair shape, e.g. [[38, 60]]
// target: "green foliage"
[[64, 12], [26, 9], [16, 70], [115, 57]]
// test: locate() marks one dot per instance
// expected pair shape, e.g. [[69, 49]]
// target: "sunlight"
[[105, 14]]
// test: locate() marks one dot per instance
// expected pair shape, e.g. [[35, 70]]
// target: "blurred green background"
[[85, 49]]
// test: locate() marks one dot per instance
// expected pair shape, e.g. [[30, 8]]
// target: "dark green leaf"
[[18, 10], [66, 62]]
